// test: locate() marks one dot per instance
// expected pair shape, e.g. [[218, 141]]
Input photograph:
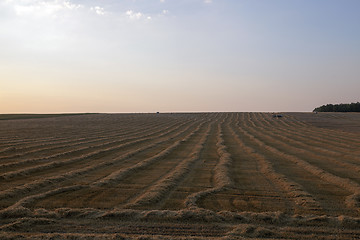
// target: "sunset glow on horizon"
[[169, 56]]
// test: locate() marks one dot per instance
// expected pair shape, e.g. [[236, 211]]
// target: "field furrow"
[[332, 161], [128, 124], [254, 186], [347, 152], [43, 183], [222, 180], [115, 189], [52, 159], [326, 134], [261, 177], [97, 151], [110, 137], [180, 176], [185, 158], [312, 137], [314, 180], [200, 178], [51, 147]]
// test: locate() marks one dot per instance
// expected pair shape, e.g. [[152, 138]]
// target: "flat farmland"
[[181, 176]]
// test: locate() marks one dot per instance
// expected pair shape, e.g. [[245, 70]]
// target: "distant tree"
[[352, 107]]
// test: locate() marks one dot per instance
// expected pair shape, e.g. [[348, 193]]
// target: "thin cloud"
[[41, 8], [134, 15], [52, 8], [98, 10]]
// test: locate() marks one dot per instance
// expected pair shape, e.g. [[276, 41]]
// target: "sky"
[[177, 55]]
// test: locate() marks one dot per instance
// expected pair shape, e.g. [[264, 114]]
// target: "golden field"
[[181, 176]]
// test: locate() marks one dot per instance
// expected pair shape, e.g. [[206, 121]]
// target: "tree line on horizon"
[[342, 107]]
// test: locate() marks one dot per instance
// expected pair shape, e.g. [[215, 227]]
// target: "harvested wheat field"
[[180, 176]]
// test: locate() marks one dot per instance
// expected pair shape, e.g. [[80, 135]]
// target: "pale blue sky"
[[177, 55]]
